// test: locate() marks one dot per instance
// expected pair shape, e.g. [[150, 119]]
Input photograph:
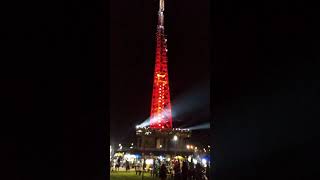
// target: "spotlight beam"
[[201, 126], [189, 102]]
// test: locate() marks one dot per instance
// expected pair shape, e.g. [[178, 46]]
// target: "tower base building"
[[167, 141]]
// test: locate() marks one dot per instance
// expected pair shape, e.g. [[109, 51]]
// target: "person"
[[118, 164], [191, 170], [163, 172], [177, 170], [135, 167], [157, 169], [208, 171], [152, 169], [185, 169], [138, 168], [144, 165], [127, 166], [199, 172], [111, 165]]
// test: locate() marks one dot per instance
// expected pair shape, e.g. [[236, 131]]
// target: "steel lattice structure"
[[161, 117]]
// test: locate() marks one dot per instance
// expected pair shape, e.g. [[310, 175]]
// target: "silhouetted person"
[[191, 170], [127, 165], [185, 169], [177, 171], [144, 165], [117, 165], [163, 172], [138, 169], [208, 171], [199, 172], [157, 169]]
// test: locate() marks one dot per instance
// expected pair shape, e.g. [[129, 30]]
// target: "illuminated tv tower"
[[161, 117]]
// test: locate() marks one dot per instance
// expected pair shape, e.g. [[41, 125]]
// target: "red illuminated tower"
[[161, 117]]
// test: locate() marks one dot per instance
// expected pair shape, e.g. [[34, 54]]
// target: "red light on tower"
[[161, 117]]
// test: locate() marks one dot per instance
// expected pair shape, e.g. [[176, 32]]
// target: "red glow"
[[161, 107]]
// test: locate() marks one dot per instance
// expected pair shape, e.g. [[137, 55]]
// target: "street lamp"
[[175, 137], [110, 152]]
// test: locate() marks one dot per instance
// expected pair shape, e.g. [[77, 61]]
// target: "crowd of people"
[[165, 170], [183, 171], [114, 166]]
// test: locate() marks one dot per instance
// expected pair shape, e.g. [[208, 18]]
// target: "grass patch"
[[122, 175]]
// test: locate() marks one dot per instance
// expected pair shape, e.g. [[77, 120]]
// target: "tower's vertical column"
[[161, 106]]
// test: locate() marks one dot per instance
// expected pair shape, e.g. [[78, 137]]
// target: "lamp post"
[[175, 139], [111, 151]]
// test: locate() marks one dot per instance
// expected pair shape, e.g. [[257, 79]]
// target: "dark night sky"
[[133, 27], [265, 83]]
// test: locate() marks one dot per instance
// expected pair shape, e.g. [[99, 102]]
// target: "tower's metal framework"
[[161, 117]]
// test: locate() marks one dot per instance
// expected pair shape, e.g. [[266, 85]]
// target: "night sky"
[[133, 28], [265, 83]]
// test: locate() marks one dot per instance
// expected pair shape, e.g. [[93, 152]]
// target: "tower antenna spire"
[[161, 6], [160, 14]]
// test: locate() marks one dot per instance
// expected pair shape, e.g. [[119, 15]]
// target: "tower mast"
[[161, 117]]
